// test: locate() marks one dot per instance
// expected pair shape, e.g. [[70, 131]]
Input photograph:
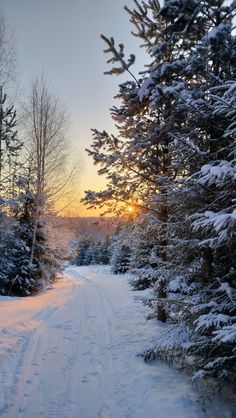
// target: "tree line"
[[173, 160], [89, 251]]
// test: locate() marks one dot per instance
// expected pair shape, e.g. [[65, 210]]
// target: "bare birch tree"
[[45, 129], [46, 126], [7, 53]]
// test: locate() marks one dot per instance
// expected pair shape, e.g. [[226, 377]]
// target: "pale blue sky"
[[61, 38]]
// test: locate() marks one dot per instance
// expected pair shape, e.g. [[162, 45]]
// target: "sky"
[[61, 38]]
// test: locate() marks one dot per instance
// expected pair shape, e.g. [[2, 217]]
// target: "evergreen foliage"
[[120, 250], [26, 261], [173, 159], [89, 251], [20, 274]]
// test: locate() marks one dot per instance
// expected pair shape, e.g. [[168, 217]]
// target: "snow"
[[144, 90], [72, 352], [226, 334], [222, 223], [217, 173], [221, 30], [212, 320]]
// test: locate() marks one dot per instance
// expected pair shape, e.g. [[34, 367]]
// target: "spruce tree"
[[10, 145], [173, 158], [120, 250]]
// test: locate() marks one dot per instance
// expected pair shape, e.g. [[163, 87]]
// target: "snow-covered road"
[[71, 353]]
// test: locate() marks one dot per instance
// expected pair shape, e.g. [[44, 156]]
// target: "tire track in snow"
[[57, 350], [27, 362], [120, 403], [98, 371], [69, 353], [76, 358], [17, 359]]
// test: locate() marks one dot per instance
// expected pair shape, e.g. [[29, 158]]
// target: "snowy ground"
[[71, 353]]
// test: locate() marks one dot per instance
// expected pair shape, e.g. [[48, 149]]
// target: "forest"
[[170, 170]]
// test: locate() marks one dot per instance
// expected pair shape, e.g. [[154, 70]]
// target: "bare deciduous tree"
[[46, 127], [7, 53]]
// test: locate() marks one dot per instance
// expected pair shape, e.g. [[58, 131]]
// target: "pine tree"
[[215, 223], [174, 158], [90, 251], [143, 163], [82, 247], [19, 274], [120, 250], [105, 251], [144, 259], [10, 145], [97, 251]]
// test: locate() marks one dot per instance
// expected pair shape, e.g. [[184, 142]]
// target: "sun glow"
[[130, 209]]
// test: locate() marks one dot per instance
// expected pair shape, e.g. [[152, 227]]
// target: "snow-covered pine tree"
[[215, 312], [97, 252], [153, 148], [205, 197], [23, 277], [105, 251], [201, 265], [10, 145], [82, 247], [120, 250], [90, 251], [10, 148], [168, 130], [19, 274], [144, 259], [9, 152]]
